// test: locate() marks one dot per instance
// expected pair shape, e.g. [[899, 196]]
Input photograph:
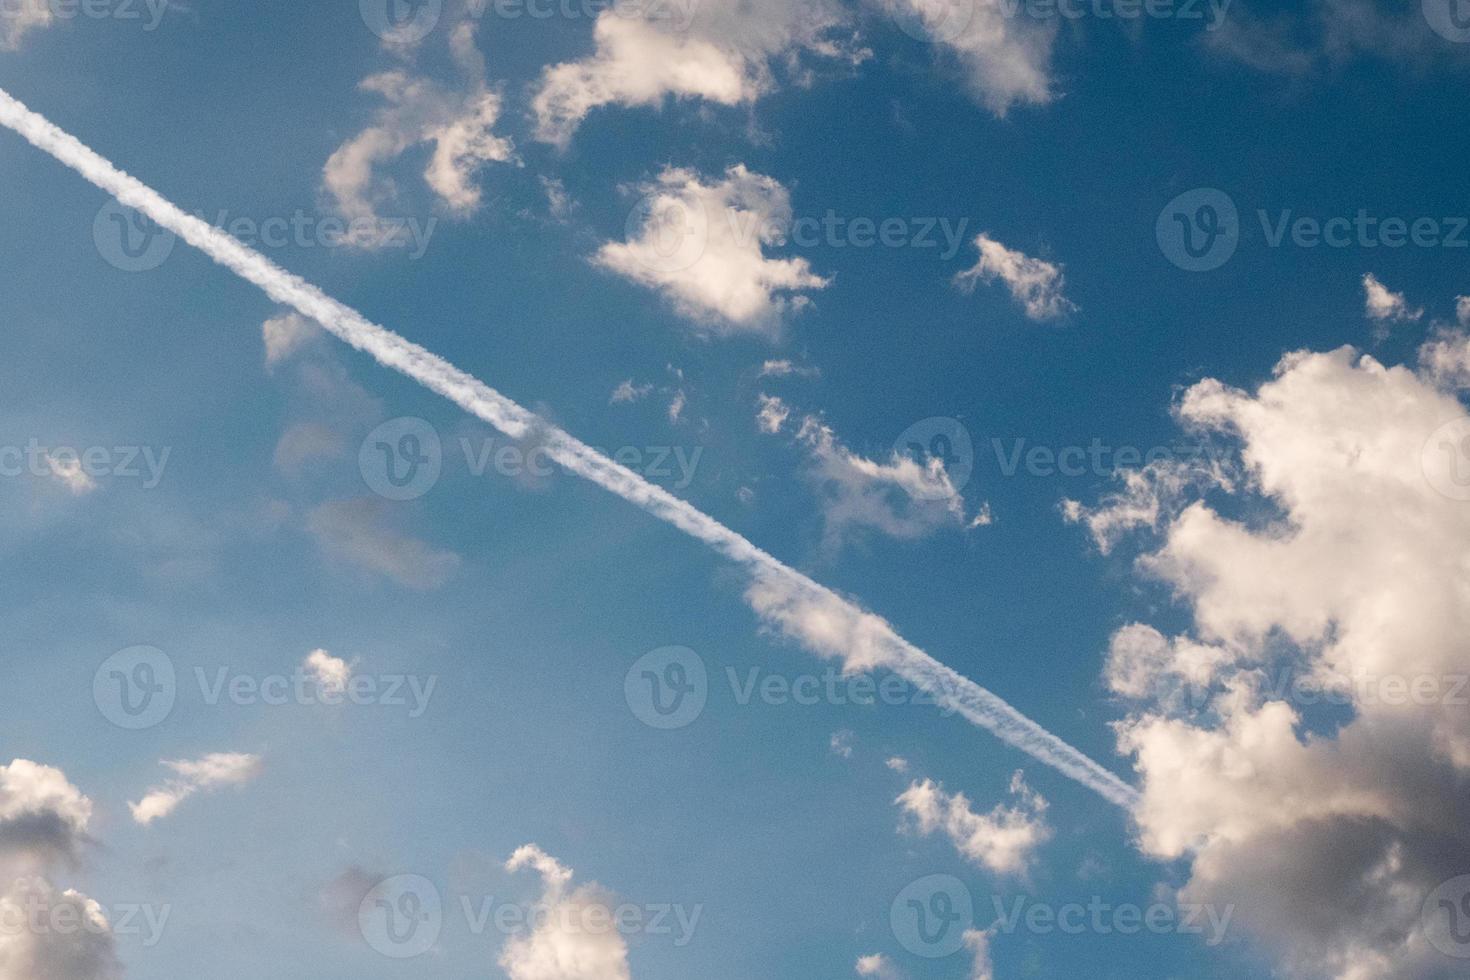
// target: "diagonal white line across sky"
[[826, 623]]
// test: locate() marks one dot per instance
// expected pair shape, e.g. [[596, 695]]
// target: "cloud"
[[898, 764], [1006, 59], [68, 471], [841, 743], [19, 17], [628, 392], [1036, 285], [1327, 35], [717, 53], [772, 414], [1340, 560], [458, 124], [785, 369], [978, 943], [354, 531], [330, 673], [43, 817], [702, 245], [286, 334], [563, 945], [879, 966], [1001, 841], [83, 950], [198, 776], [1383, 306], [900, 497], [305, 441]]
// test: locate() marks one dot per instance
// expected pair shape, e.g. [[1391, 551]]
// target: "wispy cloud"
[[192, 777]]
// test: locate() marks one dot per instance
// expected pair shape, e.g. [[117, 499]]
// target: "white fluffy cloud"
[[458, 123], [330, 673], [1345, 566], [978, 944], [43, 817], [356, 532], [1036, 285], [1382, 305], [69, 472], [82, 950], [771, 414], [212, 772], [1001, 841], [284, 335], [879, 966], [19, 17], [718, 53], [1006, 58], [702, 245], [566, 943]]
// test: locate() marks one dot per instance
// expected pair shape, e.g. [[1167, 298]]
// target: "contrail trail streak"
[[787, 593]]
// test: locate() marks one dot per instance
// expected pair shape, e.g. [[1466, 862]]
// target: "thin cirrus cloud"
[[1327, 842], [701, 245], [458, 122], [192, 777], [1036, 285], [806, 612]]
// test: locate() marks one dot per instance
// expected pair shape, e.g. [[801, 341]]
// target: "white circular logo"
[[930, 917], [1445, 459], [401, 459], [944, 440], [1446, 917], [129, 240], [1199, 230], [135, 688], [402, 916], [671, 233], [667, 688], [1449, 18], [401, 21], [935, 21]]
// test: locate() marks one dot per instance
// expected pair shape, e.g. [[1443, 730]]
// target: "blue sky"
[[232, 516]]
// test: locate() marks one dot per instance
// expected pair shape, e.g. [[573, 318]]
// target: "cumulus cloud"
[[716, 53], [564, 944], [19, 17], [1384, 306], [43, 817], [67, 470], [1002, 841], [772, 414], [1006, 59], [330, 673], [879, 966], [1340, 559], [212, 772], [355, 532], [83, 950], [899, 497], [1036, 285], [457, 123], [702, 245]]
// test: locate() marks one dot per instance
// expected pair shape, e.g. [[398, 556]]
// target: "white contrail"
[[827, 623]]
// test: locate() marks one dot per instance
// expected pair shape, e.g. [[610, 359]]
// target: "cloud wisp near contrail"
[[825, 622]]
